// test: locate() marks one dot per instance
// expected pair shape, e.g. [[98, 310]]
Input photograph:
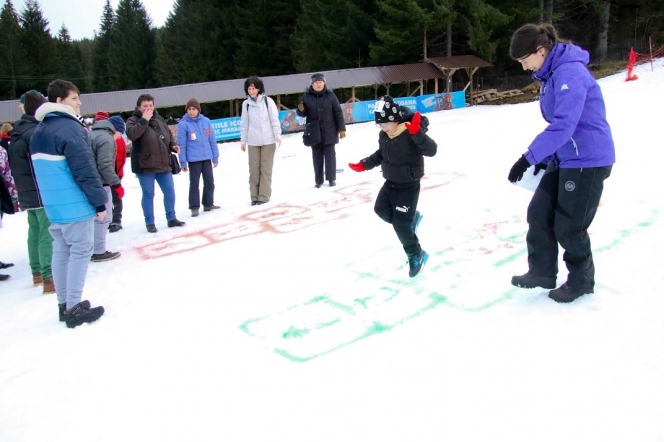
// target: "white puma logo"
[[403, 209]]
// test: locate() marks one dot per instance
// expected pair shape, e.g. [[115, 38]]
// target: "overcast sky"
[[82, 17]]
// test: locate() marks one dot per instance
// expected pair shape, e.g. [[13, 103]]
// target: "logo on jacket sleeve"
[[207, 131], [570, 186], [564, 87]]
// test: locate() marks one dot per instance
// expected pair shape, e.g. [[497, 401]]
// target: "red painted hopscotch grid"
[[282, 218]]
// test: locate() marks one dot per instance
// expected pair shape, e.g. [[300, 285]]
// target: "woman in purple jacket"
[[578, 147]]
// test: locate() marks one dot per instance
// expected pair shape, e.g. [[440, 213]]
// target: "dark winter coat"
[[402, 158], [21, 164], [324, 106], [152, 143], [65, 168]]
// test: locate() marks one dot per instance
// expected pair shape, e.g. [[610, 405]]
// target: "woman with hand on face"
[[578, 147], [151, 159], [198, 155], [261, 130]]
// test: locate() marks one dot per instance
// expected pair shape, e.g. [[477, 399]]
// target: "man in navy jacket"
[[72, 194]]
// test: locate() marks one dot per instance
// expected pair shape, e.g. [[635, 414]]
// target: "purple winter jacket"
[[571, 101]]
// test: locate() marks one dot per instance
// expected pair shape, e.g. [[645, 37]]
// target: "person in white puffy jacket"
[[261, 130]]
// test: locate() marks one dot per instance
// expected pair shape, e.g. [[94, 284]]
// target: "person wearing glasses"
[[402, 146], [579, 145]]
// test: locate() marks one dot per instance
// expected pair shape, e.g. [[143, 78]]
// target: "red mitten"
[[120, 191], [357, 167], [414, 125]]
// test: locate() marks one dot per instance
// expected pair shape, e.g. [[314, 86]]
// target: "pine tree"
[[131, 52], [101, 49], [263, 43], [39, 51], [331, 35], [194, 45], [11, 57], [405, 28], [70, 59]]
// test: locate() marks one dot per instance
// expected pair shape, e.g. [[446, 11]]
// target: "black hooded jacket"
[[324, 106], [402, 158], [21, 164]]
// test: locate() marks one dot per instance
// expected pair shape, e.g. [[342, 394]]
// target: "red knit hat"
[[101, 115]]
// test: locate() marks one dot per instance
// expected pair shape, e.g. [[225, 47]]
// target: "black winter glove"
[[519, 168], [540, 166]]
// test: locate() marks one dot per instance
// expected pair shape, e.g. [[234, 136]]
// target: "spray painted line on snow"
[[375, 302], [282, 218]]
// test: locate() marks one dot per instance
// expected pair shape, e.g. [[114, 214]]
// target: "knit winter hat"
[[387, 110], [118, 123], [193, 103], [22, 99], [101, 115], [32, 100], [318, 77]]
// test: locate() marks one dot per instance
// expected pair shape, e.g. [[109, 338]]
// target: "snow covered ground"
[[296, 320]]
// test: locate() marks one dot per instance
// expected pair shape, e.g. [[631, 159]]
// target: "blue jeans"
[[72, 248], [165, 181]]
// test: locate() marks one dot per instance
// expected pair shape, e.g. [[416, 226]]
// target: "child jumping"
[[402, 145]]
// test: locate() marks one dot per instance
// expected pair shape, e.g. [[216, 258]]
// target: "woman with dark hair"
[[261, 130], [578, 147]]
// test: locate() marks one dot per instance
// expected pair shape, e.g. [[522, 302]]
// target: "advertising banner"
[[354, 112]]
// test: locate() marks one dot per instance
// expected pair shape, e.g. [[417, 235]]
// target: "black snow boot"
[[530, 281], [568, 293], [62, 308]]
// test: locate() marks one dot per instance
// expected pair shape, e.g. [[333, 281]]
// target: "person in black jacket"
[[40, 241], [402, 145], [320, 103]]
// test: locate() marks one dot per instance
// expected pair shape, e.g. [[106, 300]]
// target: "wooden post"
[[230, 107], [376, 86], [435, 85]]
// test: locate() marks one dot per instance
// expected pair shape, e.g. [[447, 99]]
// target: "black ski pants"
[[397, 206], [196, 168], [560, 212], [324, 153]]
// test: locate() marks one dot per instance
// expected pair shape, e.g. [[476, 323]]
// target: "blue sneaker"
[[416, 221], [417, 262]]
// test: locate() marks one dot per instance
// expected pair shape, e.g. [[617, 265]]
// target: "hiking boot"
[[151, 228], [114, 227], [176, 223], [318, 185], [37, 279], [212, 207], [106, 256], [62, 308], [567, 293], [82, 313], [194, 212], [416, 221], [253, 203], [49, 286], [333, 183], [417, 262], [260, 203], [5, 277], [530, 281]]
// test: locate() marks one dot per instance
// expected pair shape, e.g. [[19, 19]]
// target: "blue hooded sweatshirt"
[[571, 101], [196, 140]]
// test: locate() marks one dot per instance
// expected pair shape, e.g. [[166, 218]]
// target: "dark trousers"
[[560, 212], [324, 153], [117, 207], [397, 207], [196, 168]]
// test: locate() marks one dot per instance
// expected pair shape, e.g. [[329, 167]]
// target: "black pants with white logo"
[[560, 212], [397, 206]]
